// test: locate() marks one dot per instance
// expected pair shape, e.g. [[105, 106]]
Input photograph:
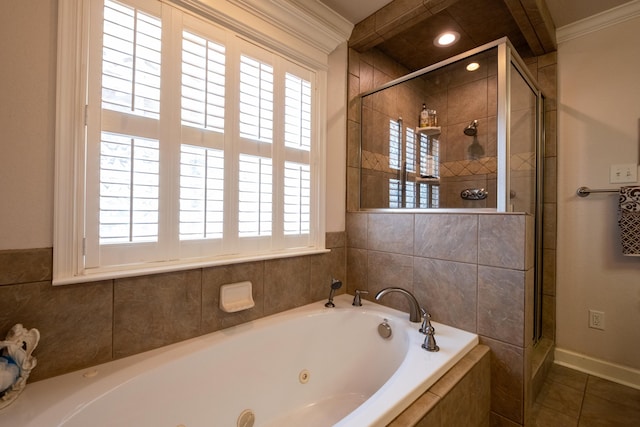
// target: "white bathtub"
[[311, 366]]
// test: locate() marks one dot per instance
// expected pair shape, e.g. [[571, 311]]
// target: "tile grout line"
[[584, 395]]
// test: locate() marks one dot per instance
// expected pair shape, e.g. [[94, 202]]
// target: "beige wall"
[[27, 116], [598, 122], [337, 139]]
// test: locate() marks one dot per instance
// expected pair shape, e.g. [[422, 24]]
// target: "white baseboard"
[[599, 368]]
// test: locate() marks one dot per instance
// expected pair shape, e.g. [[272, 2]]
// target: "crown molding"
[[308, 22], [313, 15], [599, 21]]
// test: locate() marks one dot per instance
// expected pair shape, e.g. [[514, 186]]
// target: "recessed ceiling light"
[[473, 66], [446, 39]]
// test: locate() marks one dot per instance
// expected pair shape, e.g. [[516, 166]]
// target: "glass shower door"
[[525, 170], [523, 136]]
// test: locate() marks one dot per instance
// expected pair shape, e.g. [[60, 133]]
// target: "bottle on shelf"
[[424, 116]]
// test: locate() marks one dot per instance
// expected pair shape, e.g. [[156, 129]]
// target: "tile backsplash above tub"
[[87, 324]]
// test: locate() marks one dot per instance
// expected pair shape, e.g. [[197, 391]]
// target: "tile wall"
[[87, 324], [471, 271], [460, 398]]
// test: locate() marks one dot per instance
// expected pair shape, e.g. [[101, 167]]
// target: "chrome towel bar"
[[585, 191]]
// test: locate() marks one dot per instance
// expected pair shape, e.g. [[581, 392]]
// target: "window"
[[395, 145], [201, 193], [429, 192], [429, 156], [129, 183], [198, 145], [395, 193], [410, 150], [417, 160]]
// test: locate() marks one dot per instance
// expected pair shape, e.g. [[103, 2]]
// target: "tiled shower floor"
[[572, 398]]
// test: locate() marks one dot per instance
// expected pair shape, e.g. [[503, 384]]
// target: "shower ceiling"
[[405, 30], [477, 21]]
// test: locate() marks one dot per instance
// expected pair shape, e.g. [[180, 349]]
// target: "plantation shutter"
[[199, 145], [255, 196], [410, 150], [297, 137], [124, 160], [131, 60], [201, 193], [395, 145], [275, 171], [129, 178], [256, 127], [203, 82], [203, 156]]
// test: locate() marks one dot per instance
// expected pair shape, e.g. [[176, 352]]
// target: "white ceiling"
[[563, 12], [355, 10]]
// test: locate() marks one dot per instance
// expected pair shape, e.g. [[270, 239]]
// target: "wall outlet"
[[596, 319], [627, 173]]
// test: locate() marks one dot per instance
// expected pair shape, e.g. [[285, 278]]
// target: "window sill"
[[95, 275]]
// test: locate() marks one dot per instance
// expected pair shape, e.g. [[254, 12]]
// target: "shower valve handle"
[[357, 301]]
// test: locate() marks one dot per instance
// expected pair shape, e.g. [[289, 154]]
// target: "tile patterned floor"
[[574, 399]]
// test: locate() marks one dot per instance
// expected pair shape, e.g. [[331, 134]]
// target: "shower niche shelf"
[[428, 180], [429, 131]]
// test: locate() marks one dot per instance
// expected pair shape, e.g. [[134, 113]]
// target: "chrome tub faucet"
[[416, 312]]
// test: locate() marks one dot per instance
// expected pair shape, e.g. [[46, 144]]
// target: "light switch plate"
[[620, 174]]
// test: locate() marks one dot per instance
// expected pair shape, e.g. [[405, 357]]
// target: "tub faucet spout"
[[415, 311]]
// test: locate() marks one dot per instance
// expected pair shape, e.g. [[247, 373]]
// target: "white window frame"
[[300, 34]]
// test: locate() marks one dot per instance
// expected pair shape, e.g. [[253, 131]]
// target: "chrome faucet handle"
[[429, 340], [425, 321], [357, 301]]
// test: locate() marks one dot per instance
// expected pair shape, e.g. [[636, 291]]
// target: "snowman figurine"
[[16, 362]]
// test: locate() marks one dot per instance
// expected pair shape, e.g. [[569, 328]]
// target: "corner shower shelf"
[[429, 131], [428, 180]]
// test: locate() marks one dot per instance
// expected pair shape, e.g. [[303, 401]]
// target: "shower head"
[[472, 129], [335, 284]]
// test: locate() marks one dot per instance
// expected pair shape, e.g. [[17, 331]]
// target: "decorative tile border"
[[485, 165], [482, 166]]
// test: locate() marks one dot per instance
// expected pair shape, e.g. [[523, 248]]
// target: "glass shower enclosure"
[[477, 145]]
